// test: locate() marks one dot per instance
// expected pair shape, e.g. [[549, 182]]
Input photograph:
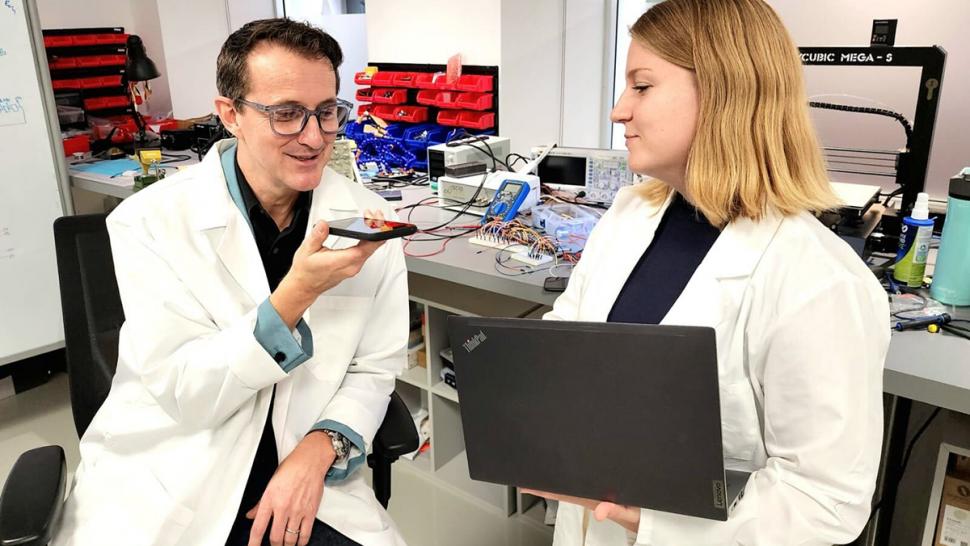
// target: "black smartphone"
[[390, 195], [555, 284], [371, 229]]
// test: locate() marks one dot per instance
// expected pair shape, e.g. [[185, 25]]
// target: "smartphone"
[[390, 195], [371, 229], [555, 284]]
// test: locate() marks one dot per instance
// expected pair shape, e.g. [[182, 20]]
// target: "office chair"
[[32, 498]]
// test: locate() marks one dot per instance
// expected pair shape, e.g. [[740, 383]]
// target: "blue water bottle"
[[951, 278]]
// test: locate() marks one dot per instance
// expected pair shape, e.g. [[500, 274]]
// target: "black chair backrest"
[[92, 311]]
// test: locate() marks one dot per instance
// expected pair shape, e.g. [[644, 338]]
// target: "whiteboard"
[[32, 185]]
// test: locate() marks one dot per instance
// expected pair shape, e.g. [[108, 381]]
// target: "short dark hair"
[[232, 76]]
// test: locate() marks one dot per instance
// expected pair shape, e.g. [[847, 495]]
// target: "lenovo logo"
[[718, 494], [474, 341]]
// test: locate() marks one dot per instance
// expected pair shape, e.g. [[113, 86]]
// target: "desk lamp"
[[139, 68]]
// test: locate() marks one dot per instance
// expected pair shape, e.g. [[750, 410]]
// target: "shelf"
[[445, 391], [421, 463], [536, 514], [417, 376], [461, 299]]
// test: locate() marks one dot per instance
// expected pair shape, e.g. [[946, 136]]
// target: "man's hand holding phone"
[[317, 269]]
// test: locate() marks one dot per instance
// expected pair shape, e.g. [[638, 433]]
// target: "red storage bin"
[[84, 39], [113, 38], [365, 95], [364, 108], [63, 62], [362, 78], [426, 80], [449, 118], [389, 96], [405, 79], [90, 83], [57, 41], [428, 97], [407, 114], [475, 83], [66, 84], [383, 79], [112, 60], [475, 101], [110, 81], [476, 120], [447, 99], [76, 145], [88, 62], [105, 102]]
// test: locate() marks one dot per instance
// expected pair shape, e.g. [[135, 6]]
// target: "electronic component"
[[883, 32], [456, 193], [343, 159], [509, 197], [462, 170], [599, 172], [466, 150], [570, 225]]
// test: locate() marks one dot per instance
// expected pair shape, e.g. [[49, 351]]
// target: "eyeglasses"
[[291, 119]]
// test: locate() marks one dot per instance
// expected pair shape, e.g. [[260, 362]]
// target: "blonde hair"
[[755, 147]]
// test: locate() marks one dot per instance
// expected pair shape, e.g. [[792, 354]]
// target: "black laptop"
[[627, 413]]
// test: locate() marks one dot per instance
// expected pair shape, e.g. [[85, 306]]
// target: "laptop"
[[627, 413]]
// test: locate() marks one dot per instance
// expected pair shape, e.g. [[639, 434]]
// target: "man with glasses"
[[258, 356]]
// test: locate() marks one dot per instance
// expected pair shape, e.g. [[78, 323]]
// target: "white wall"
[[193, 32], [136, 16], [431, 31], [585, 73], [350, 31], [531, 72]]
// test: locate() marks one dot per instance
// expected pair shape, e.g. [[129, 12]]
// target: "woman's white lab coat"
[[802, 334], [165, 460]]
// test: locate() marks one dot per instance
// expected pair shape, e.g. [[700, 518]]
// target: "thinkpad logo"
[[718, 494], [474, 341]]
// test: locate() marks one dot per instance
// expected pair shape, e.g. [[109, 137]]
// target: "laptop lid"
[[628, 413]]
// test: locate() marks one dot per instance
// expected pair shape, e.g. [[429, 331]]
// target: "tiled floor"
[[427, 515]]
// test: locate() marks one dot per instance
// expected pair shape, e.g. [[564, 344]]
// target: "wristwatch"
[[341, 445]]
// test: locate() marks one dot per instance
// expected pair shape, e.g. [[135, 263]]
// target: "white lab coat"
[[801, 327], [165, 460]]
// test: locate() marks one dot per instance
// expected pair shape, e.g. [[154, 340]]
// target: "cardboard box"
[[953, 522], [961, 467]]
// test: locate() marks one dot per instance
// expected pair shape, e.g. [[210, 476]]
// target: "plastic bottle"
[[951, 278], [914, 243]]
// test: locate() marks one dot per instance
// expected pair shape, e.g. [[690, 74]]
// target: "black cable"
[[954, 330], [908, 452], [866, 110], [894, 193], [515, 157], [467, 139]]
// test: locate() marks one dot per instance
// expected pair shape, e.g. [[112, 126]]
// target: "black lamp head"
[[139, 67]]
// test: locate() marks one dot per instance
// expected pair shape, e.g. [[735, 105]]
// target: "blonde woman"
[[715, 112]]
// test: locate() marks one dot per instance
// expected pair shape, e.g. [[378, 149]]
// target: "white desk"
[[117, 186]]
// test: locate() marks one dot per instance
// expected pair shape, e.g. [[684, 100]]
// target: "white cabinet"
[[445, 463]]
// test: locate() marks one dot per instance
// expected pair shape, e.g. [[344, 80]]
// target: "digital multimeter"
[[509, 197]]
